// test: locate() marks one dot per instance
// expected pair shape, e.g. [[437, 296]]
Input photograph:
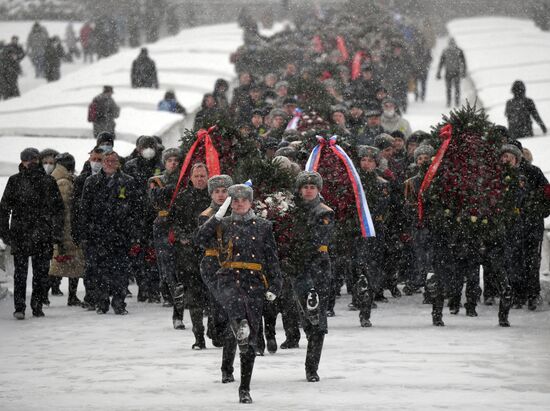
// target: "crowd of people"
[[189, 228]]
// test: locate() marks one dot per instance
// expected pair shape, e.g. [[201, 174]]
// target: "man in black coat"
[[144, 71], [143, 264], [103, 111], [34, 202], [454, 62], [110, 228], [519, 111], [188, 206], [91, 167], [536, 209]]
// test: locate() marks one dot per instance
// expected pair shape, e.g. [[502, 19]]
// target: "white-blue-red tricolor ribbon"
[[293, 124], [365, 219]]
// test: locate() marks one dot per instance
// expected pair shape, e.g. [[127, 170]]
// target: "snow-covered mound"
[[188, 63]]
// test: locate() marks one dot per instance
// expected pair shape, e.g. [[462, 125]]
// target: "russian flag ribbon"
[[445, 134], [365, 219], [293, 124], [212, 158]]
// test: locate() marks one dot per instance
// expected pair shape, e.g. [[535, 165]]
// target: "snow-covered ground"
[[78, 360], [499, 51]]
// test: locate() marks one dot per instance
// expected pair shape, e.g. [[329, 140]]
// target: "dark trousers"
[[532, 249], [369, 263], [450, 83], [40, 269], [421, 86], [91, 275], [286, 305], [146, 275], [112, 268], [166, 262]]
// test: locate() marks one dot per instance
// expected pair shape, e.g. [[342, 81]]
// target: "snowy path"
[[73, 359]]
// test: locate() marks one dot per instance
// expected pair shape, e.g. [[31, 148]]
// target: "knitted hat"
[[241, 191], [29, 154], [423, 149], [512, 149], [171, 152], [223, 180], [309, 177]]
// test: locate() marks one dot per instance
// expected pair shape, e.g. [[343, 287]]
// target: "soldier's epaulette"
[[209, 212]]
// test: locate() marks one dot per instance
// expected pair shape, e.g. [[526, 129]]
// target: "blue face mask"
[[106, 148]]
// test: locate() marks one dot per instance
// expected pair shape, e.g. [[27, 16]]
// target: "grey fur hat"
[[241, 191], [280, 84], [368, 151], [383, 141], [512, 149], [423, 149], [223, 180], [171, 152], [309, 177]]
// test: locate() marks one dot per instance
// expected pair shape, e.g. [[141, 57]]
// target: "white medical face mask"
[[48, 168], [389, 112], [96, 166], [106, 148], [148, 153]]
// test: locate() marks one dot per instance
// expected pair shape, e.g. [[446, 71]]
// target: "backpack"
[[92, 112]]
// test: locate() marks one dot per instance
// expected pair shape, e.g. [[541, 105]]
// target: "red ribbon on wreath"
[[356, 65], [445, 134], [341, 45], [212, 158]]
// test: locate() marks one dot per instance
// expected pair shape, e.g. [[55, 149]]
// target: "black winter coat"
[[78, 188], [144, 73], [110, 210], [34, 202], [519, 111]]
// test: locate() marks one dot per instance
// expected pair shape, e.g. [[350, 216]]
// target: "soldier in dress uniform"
[[210, 264], [369, 252], [161, 189], [309, 263], [249, 272]]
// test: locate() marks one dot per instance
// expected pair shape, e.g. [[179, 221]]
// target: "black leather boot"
[[247, 366], [313, 355]]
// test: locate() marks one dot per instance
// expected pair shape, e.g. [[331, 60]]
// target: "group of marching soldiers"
[[214, 252]]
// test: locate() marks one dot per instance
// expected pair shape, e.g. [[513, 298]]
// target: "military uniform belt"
[[240, 265], [163, 213], [323, 249], [211, 252]]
